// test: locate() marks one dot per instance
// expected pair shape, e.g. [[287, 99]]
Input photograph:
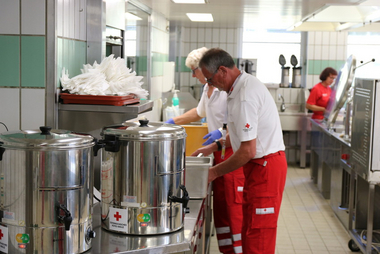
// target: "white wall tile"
[[193, 35], [156, 88], [9, 17], [332, 52], [193, 46], [215, 35], [230, 49], [201, 35], [311, 38], [325, 38], [32, 108], [341, 53], [186, 33], [316, 80], [333, 38], [341, 38], [223, 35], [215, 45], [60, 17], [286, 94], [317, 52], [83, 20], [185, 49], [309, 81], [223, 46], [324, 52], [208, 35], [208, 45], [310, 51], [318, 38], [9, 100], [231, 35], [33, 17]]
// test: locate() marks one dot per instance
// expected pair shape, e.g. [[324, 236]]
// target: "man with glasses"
[[227, 190], [254, 132]]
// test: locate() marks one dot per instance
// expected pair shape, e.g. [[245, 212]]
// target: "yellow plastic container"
[[194, 139]]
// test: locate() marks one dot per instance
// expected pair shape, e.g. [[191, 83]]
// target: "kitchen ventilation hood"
[[342, 17]]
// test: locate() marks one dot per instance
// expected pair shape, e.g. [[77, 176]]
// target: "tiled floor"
[[307, 224]]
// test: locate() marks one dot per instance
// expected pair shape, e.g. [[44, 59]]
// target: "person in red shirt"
[[320, 93]]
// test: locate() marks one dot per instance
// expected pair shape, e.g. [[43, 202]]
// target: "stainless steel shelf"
[[129, 109]]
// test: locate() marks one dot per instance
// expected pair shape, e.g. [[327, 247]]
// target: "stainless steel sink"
[[292, 119]]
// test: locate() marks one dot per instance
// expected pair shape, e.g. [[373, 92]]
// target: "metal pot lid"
[[293, 60], [282, 60], [145, 130], [45, 138]]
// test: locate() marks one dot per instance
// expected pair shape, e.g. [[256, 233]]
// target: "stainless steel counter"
[[177, 242]]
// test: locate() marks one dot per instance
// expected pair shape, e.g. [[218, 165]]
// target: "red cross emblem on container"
[[117, 216]]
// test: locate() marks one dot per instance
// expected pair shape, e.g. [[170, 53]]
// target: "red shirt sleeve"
[[313, 97]]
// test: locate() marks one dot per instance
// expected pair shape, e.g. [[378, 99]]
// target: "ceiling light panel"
[[200, 17], [189, 1]]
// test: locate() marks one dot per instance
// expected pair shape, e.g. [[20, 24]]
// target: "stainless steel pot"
[[46, 191], [142, 181]]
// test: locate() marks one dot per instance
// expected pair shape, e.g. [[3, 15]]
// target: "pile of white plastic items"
[[110, 77]]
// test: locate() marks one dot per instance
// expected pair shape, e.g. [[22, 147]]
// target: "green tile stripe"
[[10, 61], [33, 61], [71, 55], [315, 67]]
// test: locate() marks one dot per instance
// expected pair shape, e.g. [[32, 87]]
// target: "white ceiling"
[[272, 14]]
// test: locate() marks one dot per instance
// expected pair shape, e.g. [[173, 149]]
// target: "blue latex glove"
[[170, 121], [212, 136]]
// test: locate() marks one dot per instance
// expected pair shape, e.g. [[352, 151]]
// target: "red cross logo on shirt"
[[1, 234], [117, 216], [247, 126]]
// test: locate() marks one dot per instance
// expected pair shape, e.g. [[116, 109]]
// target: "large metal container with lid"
[[142, 182], [46, 189]]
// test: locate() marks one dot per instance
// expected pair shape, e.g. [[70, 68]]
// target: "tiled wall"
[[22, 65], [193, 38], [71, 37], [160, 55], [324, 49]]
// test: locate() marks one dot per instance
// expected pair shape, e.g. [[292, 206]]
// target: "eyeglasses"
[[209, 80], [193, 70]]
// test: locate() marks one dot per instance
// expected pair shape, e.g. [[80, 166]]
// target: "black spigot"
[[184, 200], [66, 219]]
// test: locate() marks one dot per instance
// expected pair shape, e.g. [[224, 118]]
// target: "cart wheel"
[[352, 245]]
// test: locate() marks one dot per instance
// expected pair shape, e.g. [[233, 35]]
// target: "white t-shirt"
[[252, 114], [214, 108]]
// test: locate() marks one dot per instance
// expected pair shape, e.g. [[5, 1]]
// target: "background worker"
[[227, 190], [320, 94], [256, 137]]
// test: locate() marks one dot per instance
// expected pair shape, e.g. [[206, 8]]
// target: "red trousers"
[[227, 206], [263, 189]]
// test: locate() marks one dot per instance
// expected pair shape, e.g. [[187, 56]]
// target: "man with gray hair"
[[255, 134], [227, 190]]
